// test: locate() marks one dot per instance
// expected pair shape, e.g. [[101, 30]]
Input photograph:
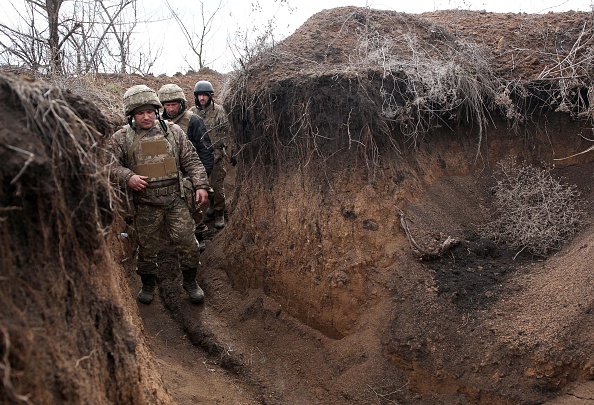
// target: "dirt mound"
[[361, 120], [362, 114], [518, 46], [66, 334]]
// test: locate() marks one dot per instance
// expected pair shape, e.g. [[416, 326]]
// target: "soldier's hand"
[[201, 196], [137, 182]]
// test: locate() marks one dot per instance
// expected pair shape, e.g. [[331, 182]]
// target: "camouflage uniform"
[[216, 121], [194, 127], [160, 205]]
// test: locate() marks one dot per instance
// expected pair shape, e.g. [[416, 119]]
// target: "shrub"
[[533, 210]]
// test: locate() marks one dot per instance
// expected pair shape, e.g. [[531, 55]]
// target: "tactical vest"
[[154, 156], [183, 120]]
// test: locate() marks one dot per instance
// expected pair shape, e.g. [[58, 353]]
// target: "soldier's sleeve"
[[198, 135], [189, 159], [119, 172]]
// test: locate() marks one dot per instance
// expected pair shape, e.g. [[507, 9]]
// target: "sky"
[[233, 20], [251, 17]]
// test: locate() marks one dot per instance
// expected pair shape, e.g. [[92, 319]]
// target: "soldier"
[[173, 99], [218, 128], [149, 155]]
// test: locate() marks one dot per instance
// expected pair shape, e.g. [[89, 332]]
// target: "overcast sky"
[[163, 34], [242, 16]]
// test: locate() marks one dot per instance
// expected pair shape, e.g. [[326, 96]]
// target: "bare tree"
[[19, 43], [197, 40], [49, 37], [249, 42], [122, 29]]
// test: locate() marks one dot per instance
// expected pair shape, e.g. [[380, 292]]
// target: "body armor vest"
[[152, 155], [184, 120]]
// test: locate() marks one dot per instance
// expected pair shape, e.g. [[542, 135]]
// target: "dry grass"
[[374, 92], [439, 84]]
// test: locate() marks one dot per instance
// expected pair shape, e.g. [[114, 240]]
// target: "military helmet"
[[203, 86], [171, 92], [139, 95]]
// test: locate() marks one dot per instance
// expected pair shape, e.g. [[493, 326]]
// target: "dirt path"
[[242, 348], [190, 375]]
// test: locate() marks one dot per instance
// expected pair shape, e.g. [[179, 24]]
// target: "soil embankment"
[[313, 293]]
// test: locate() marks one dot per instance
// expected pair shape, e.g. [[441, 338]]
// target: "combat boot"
[[191, 286], [219, 221], [147, 292], [201, 243]]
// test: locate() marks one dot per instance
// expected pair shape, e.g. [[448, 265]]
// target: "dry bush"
[[106, 92], [533, 210]]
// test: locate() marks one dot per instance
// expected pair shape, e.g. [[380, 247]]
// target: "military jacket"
[[216, 121], [196, 131], [183, 120], [158, 155]]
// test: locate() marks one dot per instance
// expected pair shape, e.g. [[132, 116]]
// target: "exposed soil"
[[313, 293], [359, 319], [480, 325]]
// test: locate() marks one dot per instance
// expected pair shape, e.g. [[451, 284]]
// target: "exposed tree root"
[[421, 253]]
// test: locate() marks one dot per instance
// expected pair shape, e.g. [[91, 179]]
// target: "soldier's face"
[[203, 99], [172, 108], [145, 119]]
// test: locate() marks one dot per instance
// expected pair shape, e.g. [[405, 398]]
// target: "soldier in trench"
[[174, 101], [149, 156], [215, 117]]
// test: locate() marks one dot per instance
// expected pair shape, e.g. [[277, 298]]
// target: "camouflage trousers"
[[217, 198], [217, 182], [151, 223]]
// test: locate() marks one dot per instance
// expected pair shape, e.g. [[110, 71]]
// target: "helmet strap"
[[161, 122]]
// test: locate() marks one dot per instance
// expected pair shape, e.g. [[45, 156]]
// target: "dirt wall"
[[69, 333]]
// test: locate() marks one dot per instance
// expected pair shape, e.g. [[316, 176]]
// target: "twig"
[[84, 358], [6, 369], [591, 148], [12, 208], [30, 158]]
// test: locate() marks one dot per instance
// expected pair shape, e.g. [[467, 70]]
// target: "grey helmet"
[[171, 92], [139, 95], [203, 86]]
